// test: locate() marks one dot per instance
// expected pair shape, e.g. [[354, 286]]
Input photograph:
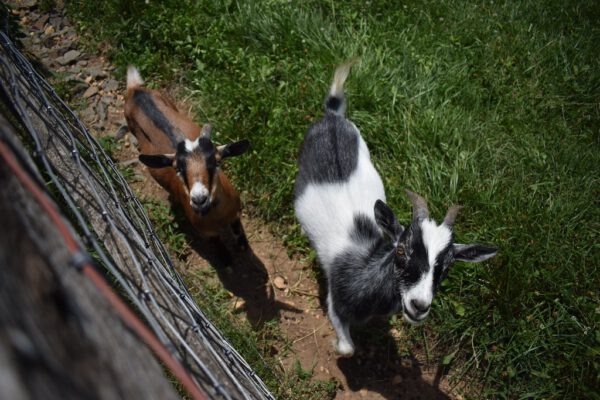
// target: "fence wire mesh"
[[112, 222]]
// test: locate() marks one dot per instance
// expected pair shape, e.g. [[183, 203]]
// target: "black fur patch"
[[365, 285], [417, 260], [333, 103], [144, 101], [364, 230], [181, 162], [329, 153], [209, 153]]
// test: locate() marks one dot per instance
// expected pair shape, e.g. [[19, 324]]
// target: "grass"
[[493, 105]]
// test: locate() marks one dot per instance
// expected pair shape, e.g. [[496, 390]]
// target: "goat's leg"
[[343, 345], [238, 234]]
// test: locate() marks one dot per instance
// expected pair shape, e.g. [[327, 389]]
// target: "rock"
[[76, 69], [239, 304], [108, 100], [49, 30], [395, 333], [67, 44], [16, 4], [111, 85], [79, 87], [88, 114], [396, 380], [69, 57], [56, 22], [280, 282], [101, 110], [41, 22], [92, 90], [97, 73], [133, 140], [128, 163]]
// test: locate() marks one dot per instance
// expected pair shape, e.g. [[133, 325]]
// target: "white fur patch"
[[133, 77], [198, 190], [191, 145], [326, 211], [435, 238]]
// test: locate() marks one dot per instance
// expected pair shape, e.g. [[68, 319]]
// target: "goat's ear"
[[473, 252], [387, 221], [232, 149], [157, 160]]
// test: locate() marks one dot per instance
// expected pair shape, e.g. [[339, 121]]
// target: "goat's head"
[[424, 252], [197, 162]]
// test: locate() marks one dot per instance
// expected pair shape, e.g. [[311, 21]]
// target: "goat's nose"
[[420, 306], [199, 201]]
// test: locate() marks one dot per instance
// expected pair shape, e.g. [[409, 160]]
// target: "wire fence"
[[117, 232]]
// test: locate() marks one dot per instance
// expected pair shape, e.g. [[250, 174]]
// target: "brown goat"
[[183, 160]]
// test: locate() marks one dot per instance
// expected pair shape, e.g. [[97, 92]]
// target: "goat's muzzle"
[[200, 204]]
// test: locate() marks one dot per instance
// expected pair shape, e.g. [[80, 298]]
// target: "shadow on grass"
[[377, 365], [240, 271]]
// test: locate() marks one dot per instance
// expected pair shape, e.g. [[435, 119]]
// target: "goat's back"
[[336, 181], [155, 121]]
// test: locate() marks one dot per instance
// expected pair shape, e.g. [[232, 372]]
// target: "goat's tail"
[[133, 78], [335, 101]]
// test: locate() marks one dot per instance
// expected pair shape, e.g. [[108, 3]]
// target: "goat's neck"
[[380, 264]]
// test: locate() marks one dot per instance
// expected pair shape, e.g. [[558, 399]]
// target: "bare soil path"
[[265, 283]]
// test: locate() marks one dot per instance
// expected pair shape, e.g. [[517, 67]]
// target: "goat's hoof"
[[343, 349]]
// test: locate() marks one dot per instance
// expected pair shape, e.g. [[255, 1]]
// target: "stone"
[[16, 4], [88, 114], [92, 90], [106, 99], [111, 85], [239, 304], [56, 21], [280, 282], [101, 110], [41, 22], [97, 73], [70, 56], [396, 380]]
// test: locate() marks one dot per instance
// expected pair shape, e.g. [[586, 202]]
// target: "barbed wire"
[[118, 233]]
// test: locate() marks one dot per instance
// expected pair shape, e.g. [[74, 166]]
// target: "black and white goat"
[[374, 265]]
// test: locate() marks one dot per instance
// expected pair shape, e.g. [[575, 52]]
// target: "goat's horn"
[[420, 210], [451, 216], [206, 129]]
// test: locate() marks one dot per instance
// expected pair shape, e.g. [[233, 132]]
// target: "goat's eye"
[[400, 252]]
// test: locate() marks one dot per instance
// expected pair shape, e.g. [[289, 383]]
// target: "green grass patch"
[[492, 105]]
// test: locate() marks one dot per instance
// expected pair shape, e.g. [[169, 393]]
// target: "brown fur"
[[151, 141]]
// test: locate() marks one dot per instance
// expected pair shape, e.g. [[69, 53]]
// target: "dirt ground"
[[265, 283]]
